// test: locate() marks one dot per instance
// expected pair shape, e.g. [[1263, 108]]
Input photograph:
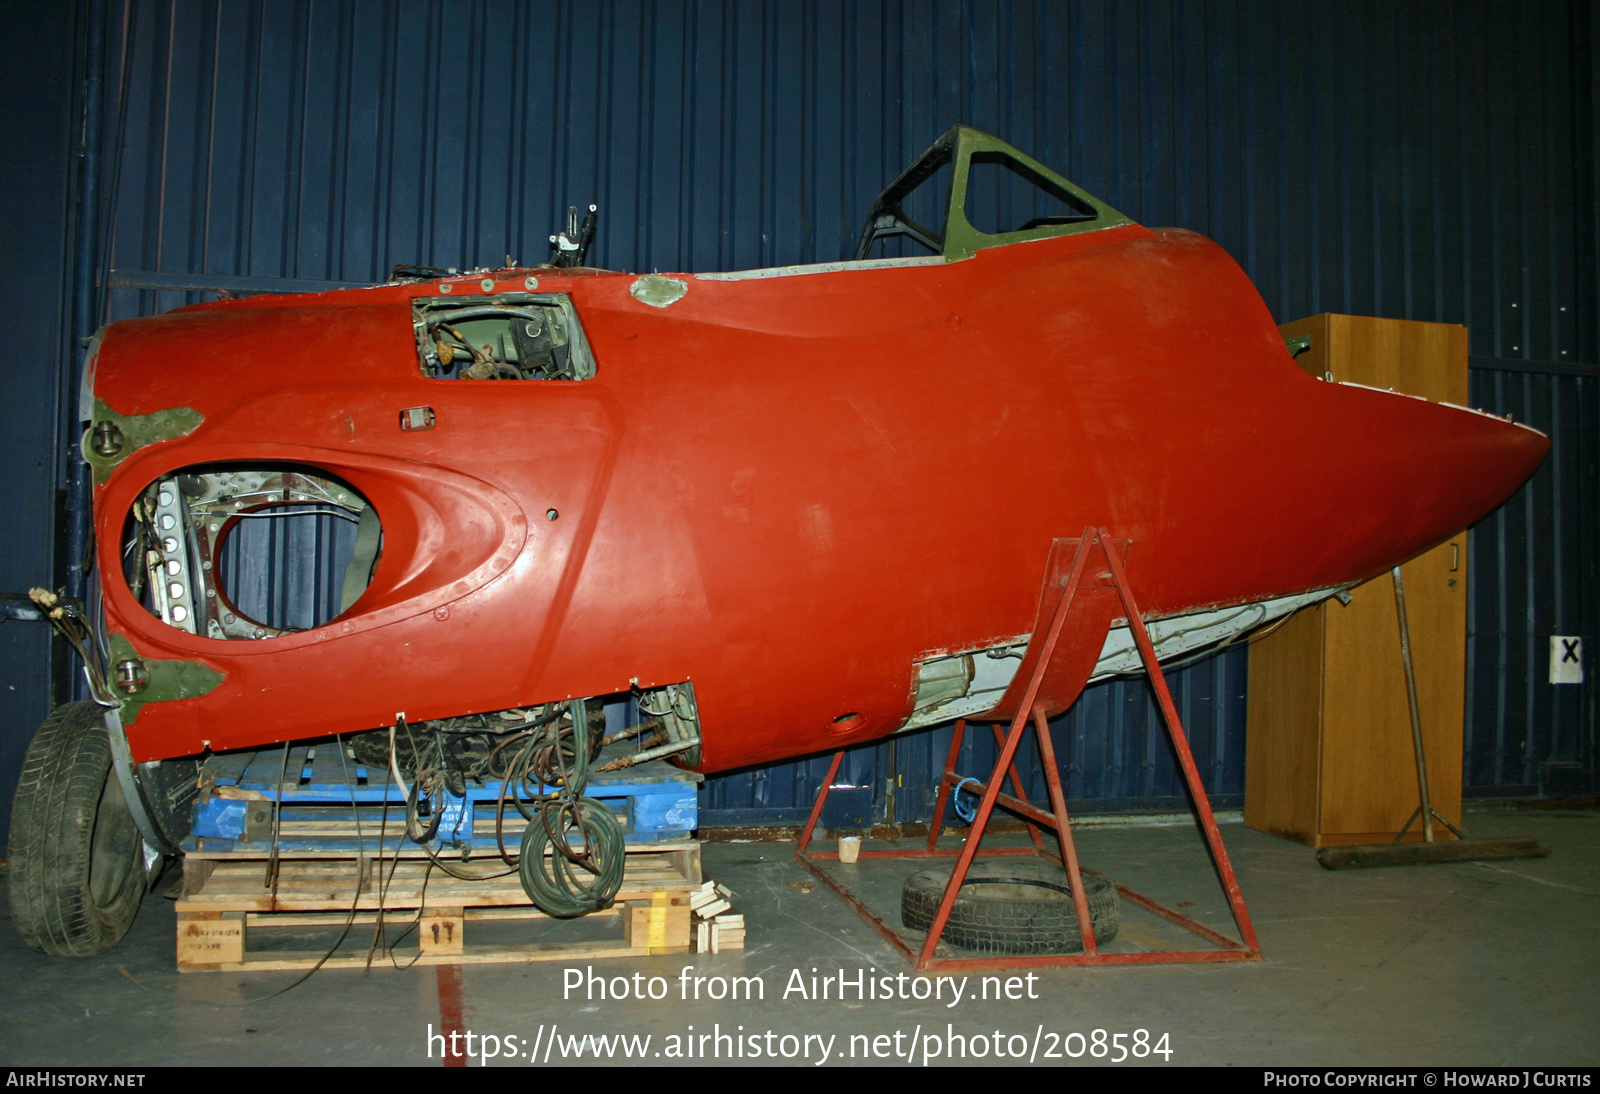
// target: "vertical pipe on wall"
[[85, 259]]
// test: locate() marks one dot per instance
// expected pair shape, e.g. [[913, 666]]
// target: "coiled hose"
[[572, 880], [576, 878]]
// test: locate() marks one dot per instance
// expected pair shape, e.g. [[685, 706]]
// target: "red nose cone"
[[1485, 460], [1410, 474]]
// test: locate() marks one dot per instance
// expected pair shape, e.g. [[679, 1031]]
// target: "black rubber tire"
[[77, 864], [1011, 907]]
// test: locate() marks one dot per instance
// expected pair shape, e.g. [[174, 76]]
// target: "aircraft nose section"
[[1420, 472], [1479, 461]]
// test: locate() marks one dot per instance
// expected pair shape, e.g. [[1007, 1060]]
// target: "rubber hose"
[[561, 887]]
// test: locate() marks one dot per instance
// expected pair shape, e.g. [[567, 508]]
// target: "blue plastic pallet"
[[326, 804]]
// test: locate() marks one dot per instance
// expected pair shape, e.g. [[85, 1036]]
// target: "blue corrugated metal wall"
[[1532, 575], [1402, 160], [36, 177]]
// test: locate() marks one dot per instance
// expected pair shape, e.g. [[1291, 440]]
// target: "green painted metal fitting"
[[164, 681], [113, 437]]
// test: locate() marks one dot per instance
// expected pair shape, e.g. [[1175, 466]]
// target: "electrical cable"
[[544, 780], [342, 514], [277, 820], [355, 901], [558, 885]]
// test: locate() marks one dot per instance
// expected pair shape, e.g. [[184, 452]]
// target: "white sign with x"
[[1566, 659]]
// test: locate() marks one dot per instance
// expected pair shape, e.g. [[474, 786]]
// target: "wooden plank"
[[318, 885], [1283, 708], [195, 873], [685, 859], [1427, 359], [685, 854], [214, 938], [557, 951], [658, 926], [1370, 779], [216, 941], [1369, 764], [269, 920]]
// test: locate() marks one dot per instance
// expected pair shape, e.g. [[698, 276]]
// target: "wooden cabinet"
[[1329, 757]]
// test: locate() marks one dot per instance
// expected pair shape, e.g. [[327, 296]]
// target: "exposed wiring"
[[557, 882], [655, 713], [343, 514], [542, 765], [355, 900], [67, 618], [277, 822]]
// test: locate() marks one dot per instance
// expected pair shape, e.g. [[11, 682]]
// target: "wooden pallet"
[[230, 904]]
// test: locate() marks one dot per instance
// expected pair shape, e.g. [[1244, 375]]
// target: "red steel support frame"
[[1096, 543]]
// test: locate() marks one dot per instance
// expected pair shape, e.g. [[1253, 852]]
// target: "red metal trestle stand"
[[1075, 611]]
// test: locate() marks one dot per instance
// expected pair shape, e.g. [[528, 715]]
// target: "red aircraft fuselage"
[[785, 489]]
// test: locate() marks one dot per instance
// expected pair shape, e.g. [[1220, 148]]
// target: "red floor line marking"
[[450, 1013]]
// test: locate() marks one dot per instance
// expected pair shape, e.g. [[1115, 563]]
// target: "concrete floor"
[[1472, 964]]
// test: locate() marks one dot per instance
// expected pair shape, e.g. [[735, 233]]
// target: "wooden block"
[[657, 937], [702, 942], [725, 938], [441, 931], [685, 860], [674, 928], [210, 938], [659, 926], [731, 922], [195, 873], [713, 909]]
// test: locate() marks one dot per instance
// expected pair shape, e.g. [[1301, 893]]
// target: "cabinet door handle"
[[1455, 557]]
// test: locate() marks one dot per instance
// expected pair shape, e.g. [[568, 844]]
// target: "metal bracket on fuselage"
[[132, 790]]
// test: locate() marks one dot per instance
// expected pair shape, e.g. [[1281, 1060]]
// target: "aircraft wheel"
[[77, 865]]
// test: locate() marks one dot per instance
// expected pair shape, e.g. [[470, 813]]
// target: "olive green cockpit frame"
[[960, 239]]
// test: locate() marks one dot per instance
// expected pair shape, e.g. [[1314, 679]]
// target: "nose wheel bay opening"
[[250, 551]]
